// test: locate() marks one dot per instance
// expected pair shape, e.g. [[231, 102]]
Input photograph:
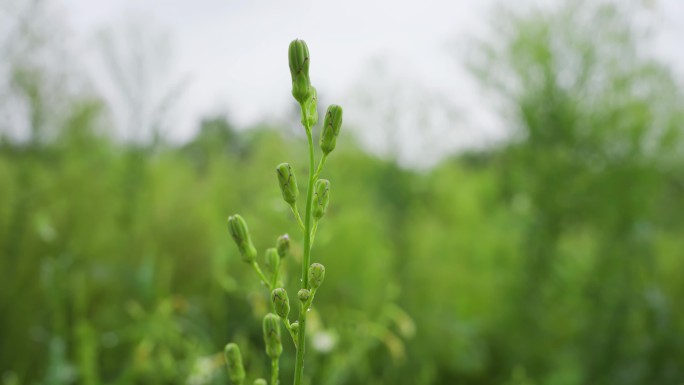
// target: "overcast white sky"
[[230, 56]]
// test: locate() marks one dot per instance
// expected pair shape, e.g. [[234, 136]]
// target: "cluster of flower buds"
[[240, 233], [318, 198], [236, 371]]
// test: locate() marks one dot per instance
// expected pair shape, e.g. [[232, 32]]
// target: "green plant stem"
[[261, 275], [321, 163], [274, 372], [301, 346], [311, 298], [288, 326], [266, 282], [293, 207], [313, 231], [301, 338], [275, 279]]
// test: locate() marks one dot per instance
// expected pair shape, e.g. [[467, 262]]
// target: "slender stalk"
[[293, 207], [321, 163], [301, 339], [288, 326], [313, 231], [274, 372], [262, 276], [265, 281], [311, 298], [275, 279]]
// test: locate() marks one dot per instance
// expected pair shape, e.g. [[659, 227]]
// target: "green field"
[[555, 257]]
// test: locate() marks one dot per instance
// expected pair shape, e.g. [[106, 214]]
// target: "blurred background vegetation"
[[553, 257]]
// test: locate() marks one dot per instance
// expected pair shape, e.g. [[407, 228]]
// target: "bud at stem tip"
[[238, 230], [298, 57], [331, 128], [316, 275], [287, 182], [236, 371], [271, 328], [281, 302], [283, 245], [304, 295], [321, 198]]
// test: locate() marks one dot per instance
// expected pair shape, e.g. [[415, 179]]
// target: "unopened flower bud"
[[298, 55], [281, 302], [331, 128], [240, 233], [274, 346], [288, 182], [321, 198], [310, 118], [304, 295], [295, 328], [260, 381], [236, 371], [272, 260], [283, 245], [316, 275]]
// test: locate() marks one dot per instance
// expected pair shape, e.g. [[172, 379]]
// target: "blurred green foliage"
[[554, 258]]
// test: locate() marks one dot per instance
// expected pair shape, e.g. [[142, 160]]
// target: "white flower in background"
[[324, 341], [203, 371]]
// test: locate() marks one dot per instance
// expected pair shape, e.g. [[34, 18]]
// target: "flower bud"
[[316, 275], [260, 381], [298, 55], [304, 295], [331, 128], [272, 260], [281, 302], [236, 371], [310, 118], [240, 233], [321, 197], [283, 245], [288, 182], [295, 328], [274, 346]]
